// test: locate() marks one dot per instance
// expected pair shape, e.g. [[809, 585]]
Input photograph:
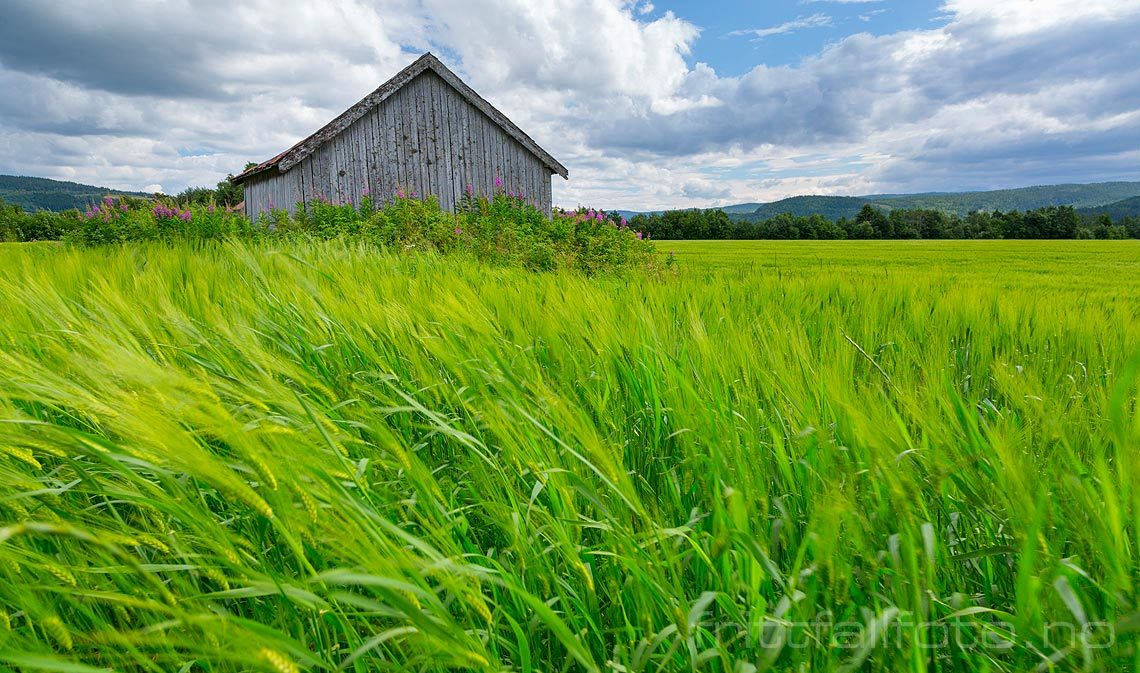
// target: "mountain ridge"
[[1080, 196], [32, 193]]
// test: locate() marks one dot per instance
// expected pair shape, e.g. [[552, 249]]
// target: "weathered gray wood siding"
[[425, 139]]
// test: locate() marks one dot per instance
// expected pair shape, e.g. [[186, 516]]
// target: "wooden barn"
[[422, 132]]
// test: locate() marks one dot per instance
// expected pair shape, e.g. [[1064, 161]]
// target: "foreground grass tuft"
[[317, 456]]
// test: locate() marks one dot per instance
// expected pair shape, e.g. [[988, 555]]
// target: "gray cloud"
[[113, 93], [84, 48]]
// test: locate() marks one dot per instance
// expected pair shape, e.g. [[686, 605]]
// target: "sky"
[[649, 103]]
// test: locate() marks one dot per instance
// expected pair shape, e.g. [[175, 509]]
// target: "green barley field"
[[783, 456]]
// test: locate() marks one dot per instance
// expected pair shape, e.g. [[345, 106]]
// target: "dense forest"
[[1118, 210], [32, 194], [1053, 222]]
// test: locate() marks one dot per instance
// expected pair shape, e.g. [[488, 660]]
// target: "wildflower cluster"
[[583, 215], [122, 219], [106, 209], [162, 211]]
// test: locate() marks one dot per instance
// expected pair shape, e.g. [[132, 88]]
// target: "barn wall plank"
[[466, 142], [449, 152], [416, 119], [427, 124], [444, 187], [401, 166], [391, 175], [331, 152], [412, 149], [455, 145], [452, 184], [360, 149], [321, 173], [477, 154], [375, 154], [252, 199], [302, 180], [408, 116], [350, 165], [359, 172], [491, 164], [339, 161]]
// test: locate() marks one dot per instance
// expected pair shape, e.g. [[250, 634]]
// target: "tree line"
[[1053, 222]]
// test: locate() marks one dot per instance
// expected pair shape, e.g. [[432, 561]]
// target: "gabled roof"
[[293, 156]]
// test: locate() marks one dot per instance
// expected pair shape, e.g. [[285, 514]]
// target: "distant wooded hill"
[[33, 194], [1118, 199], [1120, 209]]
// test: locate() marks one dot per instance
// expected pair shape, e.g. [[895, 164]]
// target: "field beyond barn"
[[919, 456]]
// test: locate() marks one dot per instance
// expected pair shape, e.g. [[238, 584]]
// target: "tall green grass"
[[884, 456]]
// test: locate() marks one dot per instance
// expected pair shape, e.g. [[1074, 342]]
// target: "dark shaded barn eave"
[[299, 152]]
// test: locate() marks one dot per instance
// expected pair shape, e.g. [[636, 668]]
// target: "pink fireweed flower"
[[469, 189], [458, 231], [639, 235], [624, 223], [498, 182], [366, 191]]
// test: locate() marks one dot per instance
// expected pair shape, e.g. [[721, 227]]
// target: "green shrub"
[[10, 217], [503, 230], [126, 219], [16, 226]]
